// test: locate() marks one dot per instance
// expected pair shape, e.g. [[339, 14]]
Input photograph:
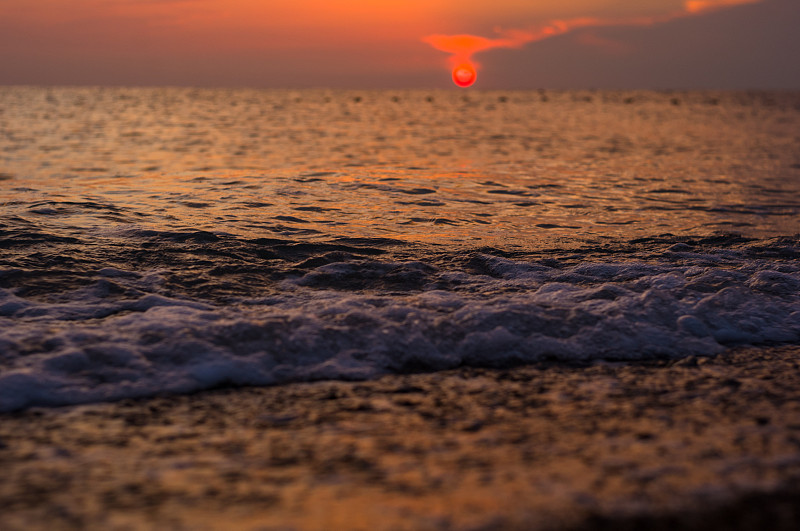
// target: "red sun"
[[464, 75]]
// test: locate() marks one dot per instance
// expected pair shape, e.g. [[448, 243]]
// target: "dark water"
[[169, 240]]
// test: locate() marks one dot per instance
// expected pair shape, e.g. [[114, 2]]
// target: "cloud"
[[743, 48], [462, 47], [698, 6]]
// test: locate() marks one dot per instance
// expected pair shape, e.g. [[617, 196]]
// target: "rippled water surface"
[[171, 239], [455, 168]]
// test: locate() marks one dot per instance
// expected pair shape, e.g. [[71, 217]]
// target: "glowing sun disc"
[[464, 75]]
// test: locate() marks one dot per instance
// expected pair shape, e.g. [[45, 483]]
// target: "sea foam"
[[92, 345]]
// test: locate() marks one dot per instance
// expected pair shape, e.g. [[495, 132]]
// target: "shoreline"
[[698, 442]]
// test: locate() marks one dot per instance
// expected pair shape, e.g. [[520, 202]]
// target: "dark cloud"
[[743, 47]]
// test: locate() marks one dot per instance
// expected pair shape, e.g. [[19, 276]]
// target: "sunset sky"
[[402, 43]]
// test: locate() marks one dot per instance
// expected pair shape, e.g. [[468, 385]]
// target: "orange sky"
[[290, 43]]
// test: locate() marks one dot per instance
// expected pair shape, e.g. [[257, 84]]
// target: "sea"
[[169, 240]]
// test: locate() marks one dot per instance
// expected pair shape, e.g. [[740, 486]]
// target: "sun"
[[464, 75]]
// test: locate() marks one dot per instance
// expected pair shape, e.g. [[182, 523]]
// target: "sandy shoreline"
[[699, 443]]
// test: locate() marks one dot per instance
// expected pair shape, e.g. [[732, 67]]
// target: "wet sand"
[[701, 443]]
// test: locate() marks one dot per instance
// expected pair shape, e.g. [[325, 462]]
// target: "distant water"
[[171, 240]]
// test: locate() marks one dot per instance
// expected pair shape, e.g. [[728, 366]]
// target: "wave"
[[178, 312]]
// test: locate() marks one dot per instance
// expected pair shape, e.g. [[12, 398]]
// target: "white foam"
[[90, 347]]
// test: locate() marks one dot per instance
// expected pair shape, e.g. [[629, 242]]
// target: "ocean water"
[[170, 240]]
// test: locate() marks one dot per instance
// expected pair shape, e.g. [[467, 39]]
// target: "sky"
[[513, 44]]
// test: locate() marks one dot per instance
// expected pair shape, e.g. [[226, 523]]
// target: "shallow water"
[[169, 240]]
